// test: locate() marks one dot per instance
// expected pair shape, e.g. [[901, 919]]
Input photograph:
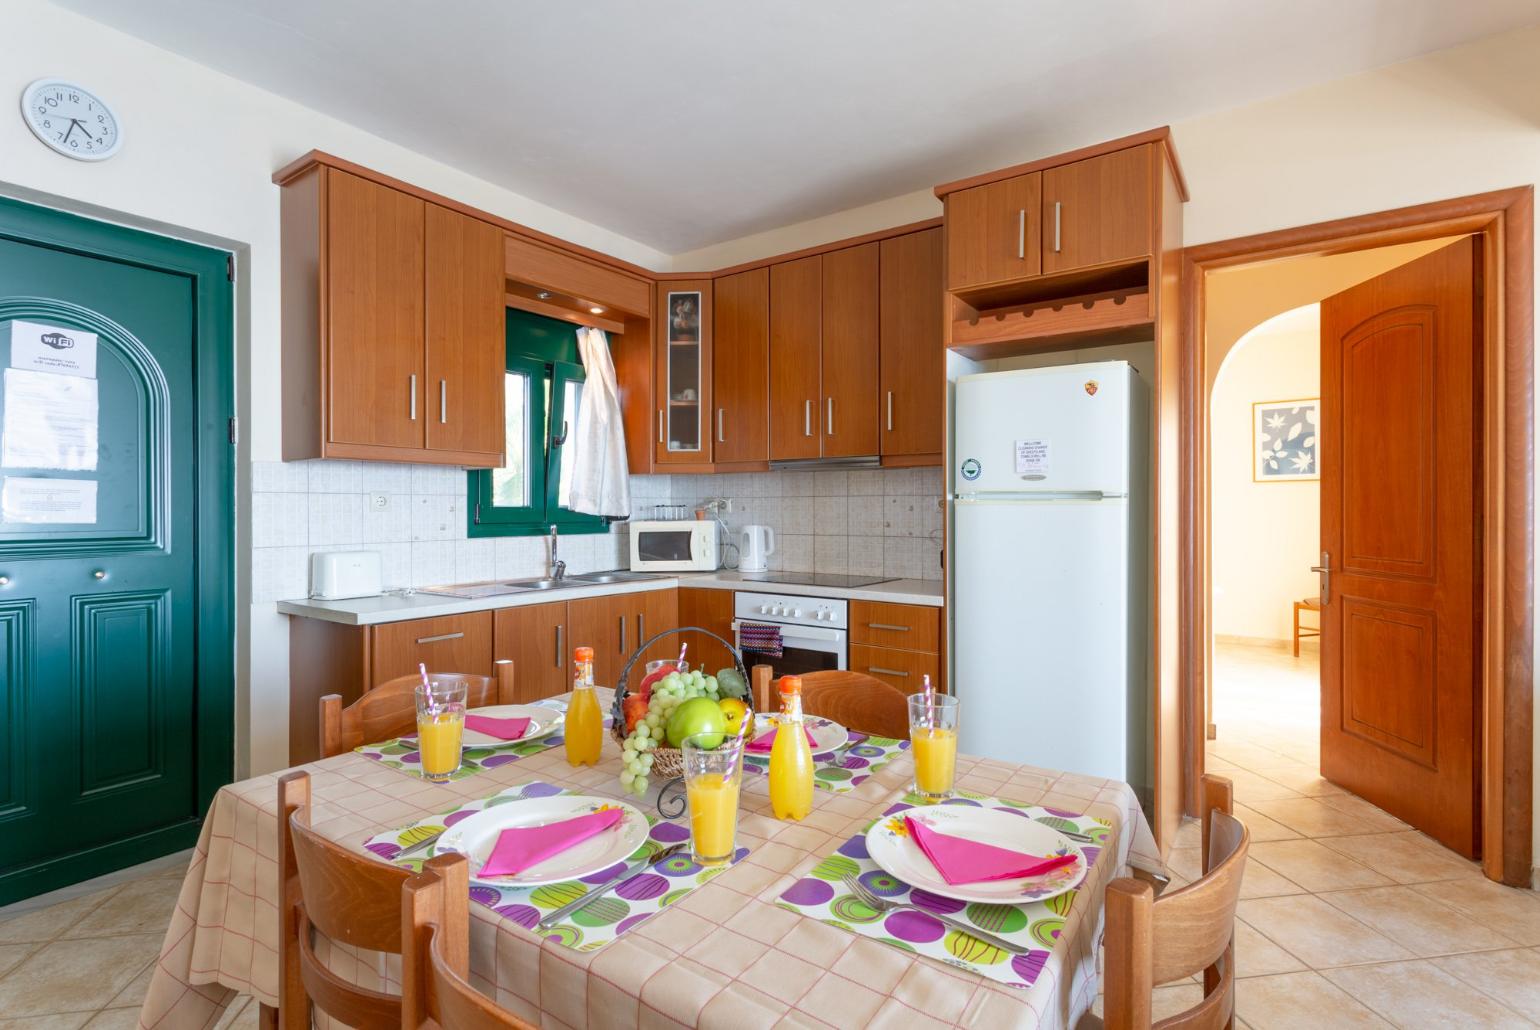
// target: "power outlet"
[[379, 502]]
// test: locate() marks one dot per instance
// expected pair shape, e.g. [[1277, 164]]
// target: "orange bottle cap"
[[583, 654], [791, 685]]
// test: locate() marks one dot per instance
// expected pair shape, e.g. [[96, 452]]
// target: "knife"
[[425, 842], [604, 888]]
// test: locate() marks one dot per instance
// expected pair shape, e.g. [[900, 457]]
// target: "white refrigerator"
[[1049, 566]]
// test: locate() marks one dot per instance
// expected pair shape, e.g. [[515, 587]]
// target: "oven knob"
[[796, 613], [819, 614], [781, 610], [764, 609]]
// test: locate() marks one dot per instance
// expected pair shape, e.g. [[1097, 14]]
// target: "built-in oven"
[[813, 632]]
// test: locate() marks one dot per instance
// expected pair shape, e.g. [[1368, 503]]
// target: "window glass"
[[572, 396], [510, 484]]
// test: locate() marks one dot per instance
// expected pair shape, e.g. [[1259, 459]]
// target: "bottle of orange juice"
[[585, 722], [791, 760]]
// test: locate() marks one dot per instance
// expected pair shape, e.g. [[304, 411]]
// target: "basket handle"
[[625, 674]]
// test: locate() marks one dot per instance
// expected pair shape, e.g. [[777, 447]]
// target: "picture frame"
[[1286, 440]]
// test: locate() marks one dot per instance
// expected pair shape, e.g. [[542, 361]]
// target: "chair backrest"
[[390, 709], [852, 699], [1151, 941], [435, 954], [351, 898]]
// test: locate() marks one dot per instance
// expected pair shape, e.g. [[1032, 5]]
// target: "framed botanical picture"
[[1285, 440]]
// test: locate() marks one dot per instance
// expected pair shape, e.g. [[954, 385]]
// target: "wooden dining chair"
[[435, 953], [351, 898], [390, 709], [852, 699], [1150, 941]]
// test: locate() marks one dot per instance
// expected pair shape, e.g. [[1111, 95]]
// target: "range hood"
[[869, 461]]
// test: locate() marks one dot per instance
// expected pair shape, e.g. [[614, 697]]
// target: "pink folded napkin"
[[765, 741], [502, 729], [959, 860], [524, 846]]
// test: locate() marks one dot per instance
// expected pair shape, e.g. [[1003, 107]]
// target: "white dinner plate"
[[891, 847], [475, 837], [542, 720], [826, 733]]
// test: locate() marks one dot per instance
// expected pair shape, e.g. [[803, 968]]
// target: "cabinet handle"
[[660, 425], [807, 418], [886, 672], [641, 631], [1021, 234], [1058, 224], [441, 637], [887, 626], [412, 403], [622, 634], [890, 411], [443, 402], [829, 428], [560, 650], [720, 437]]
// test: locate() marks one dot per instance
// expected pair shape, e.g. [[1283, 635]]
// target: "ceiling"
[[683, 123]]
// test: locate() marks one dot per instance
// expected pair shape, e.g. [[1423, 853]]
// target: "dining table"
[[753, 945]]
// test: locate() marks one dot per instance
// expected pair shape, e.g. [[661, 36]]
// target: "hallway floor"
[[1348, 916]]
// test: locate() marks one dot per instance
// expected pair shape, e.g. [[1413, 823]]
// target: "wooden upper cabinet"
[[994, 232], [740, 366], [913, 354], [849, 352], [796, 344], [465, 335], [373, 346], [1098, 211], [683, 374]]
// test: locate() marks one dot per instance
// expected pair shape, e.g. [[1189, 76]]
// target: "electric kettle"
[[758, 546]]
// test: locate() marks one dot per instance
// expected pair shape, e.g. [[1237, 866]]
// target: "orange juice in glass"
[[440, 724], [712, 778], [933, 742]]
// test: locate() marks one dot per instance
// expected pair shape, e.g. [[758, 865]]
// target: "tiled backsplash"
[[871, 522]]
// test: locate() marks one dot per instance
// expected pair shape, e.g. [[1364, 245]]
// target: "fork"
[[877, 904]]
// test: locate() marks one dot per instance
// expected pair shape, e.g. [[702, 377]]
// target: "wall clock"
[[71, 120]]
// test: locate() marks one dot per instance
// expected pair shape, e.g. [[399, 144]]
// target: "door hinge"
[[235, 429], [230, 267]]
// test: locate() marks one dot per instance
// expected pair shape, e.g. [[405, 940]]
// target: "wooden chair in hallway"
[[1151, 941], [1309, 604], [351, 898], [390, 709], [435, 953], [852, 699]]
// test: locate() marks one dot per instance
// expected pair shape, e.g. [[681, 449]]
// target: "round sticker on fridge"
[[971, 469]]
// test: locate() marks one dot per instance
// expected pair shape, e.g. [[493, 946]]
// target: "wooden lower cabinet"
[[534, 637], [653, 612], [711, 610], [911, 627], [452, 643], [616, 625], [905, 670]]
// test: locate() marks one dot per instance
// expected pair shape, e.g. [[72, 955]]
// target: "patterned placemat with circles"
[[592, 927], [402, 753], [1036, 925], [846, 767]]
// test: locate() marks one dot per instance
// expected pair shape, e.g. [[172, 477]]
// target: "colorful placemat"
[[845, 768], [590, 928], [401, 753], [822, 895]]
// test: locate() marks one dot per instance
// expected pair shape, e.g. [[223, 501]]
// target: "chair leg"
[[1296, 629], [267, 1017]]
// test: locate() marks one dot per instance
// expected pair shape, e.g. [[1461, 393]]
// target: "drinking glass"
[[712, 778], [933, 741], [440, 723]]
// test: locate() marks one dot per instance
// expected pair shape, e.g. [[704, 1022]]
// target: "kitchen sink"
[[614, 577], [542, 584]]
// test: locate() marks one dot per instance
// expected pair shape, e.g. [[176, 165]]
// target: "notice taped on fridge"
[[1032, 459], [56, 501]]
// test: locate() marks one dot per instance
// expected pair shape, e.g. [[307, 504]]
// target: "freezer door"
[[1061, 429], [1040, 616]]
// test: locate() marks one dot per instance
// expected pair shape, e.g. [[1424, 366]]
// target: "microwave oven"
[[684, 546]]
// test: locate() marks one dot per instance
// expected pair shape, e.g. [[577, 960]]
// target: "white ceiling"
[[682, 123]]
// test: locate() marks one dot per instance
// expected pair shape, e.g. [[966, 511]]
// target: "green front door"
[[115, 545]]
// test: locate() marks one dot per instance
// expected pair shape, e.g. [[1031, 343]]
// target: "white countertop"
[[369, 611]]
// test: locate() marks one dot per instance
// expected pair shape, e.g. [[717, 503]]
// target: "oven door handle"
[[797, 632]]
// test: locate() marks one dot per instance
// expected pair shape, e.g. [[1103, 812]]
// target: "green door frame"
[[208, 273]]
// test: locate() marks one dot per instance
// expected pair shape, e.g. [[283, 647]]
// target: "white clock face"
[[71, 120]]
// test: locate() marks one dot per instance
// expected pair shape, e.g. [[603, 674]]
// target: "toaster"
[[335, 575]]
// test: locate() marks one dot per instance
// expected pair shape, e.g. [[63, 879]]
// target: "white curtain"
[[600, 483]]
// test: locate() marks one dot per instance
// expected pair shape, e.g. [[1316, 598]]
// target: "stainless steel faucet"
[[558, 567]]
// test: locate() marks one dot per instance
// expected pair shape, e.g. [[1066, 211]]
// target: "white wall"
[[1265, 536]]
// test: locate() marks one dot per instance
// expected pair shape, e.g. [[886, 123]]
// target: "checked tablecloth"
[[725, 956]]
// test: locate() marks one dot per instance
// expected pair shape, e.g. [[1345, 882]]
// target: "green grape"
[[639, 785], [657, 733], [626, 777]]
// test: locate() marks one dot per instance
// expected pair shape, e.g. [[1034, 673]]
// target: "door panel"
[[1097, 211], [684, 372], [1400, 523], [534, 638], [740, 366], [710, 610], [796, 343], [912, 356], [465, 345], [655, 611], [596, 622], [849, 354], [450, 643], [994, 232]]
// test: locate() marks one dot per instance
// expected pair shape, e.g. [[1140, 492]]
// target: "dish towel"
[[524, 846], [599, 483], [502, 729], [761, 638], [959, 860], [765, 741]]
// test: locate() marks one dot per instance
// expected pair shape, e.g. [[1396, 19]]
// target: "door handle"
[[830, 427], [99, 574], [660, 425], [887, 626], [1058, 225], [559, 648], [1021, 234], [720, 437], [1325, 570], [622, 634], [440, 638], [443, 402], [641, 630], [807, 418], [886, 672], [412, 400], [890, 411]]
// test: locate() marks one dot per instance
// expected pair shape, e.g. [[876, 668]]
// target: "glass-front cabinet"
[[682, 384]]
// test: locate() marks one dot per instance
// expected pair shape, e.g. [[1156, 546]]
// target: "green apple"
[[698, 716]]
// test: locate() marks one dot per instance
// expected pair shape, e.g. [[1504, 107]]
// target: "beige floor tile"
[[62, 1021], [1252, 787], [1262, 828], [1420, 925], [144, 906], [1173, 998], [12, 954], [1314, 866], [1419, 994], [1405, 857], [1314, 817], [1261, 882], [1301, 778], [1185, 862], [1318, 934], [44, 924], [75, 975], [115, 1019], [1511, 912], [1512, 977], [1190, 835], [244, 1017], [1354, 805], [132, 996], [1299, 1001], [1255, 955]]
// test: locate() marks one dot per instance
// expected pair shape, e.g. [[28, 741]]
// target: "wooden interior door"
[[994, 232], [911, 400], [533, 637], [1097, 211], [374, 358], [1400, 533], [465, 329], [740, 366], [849, 353], [796, 342]]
